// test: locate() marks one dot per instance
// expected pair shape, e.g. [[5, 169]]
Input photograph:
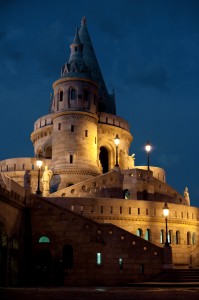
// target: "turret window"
[[72, 94], [86, 99], [61, 96], [72, 128]]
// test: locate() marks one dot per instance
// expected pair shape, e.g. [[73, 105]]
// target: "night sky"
[[148, 52]]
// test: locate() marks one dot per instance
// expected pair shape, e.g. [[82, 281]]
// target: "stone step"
[[176, 275]]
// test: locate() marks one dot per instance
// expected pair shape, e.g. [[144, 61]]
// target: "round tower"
[[72, 139]]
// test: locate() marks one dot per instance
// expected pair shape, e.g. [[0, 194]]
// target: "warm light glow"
[[117, 140], [39, 163], [165, 210], [148, 147]]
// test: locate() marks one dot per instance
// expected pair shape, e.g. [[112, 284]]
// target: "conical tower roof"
[[106, 101]]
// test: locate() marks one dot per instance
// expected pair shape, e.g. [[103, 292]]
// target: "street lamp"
[[148, 149], [39, 164], [166, 214], [116, 141]]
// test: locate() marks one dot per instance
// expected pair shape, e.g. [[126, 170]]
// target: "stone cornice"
[[65, 79]]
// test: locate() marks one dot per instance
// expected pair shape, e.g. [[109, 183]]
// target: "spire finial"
[[83, 22]]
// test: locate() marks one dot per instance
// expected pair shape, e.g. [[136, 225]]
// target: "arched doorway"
[[48, 152], [3, 255], [67, 257], [103, 157], [42, 268]]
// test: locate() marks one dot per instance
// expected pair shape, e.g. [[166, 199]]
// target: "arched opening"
[[148, 235], [42, 268], [48, 152], [14, 262], [188, 238], [139, 232], [72, 94], [3, 255], [44, 239], [67, 257], [170, 235], [103, 157], [162, 236], [193, 238], [177, 237], [61, 96], [126, 194]]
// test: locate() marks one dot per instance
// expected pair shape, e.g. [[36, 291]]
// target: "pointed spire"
[[76, 62], [76, 38], [106, 102], [83, 22], [76, 49]]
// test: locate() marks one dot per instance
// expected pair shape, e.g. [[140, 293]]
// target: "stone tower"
[[75, 136]]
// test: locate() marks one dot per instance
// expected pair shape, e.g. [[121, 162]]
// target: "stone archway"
[[104, 159], [3, 255], [42, 267], [48, 152]]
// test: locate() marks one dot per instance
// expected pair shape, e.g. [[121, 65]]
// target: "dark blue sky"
[[148, 52]]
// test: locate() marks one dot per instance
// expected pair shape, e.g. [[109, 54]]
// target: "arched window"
[[170, 236], [44, 239], [177, 237], [104, 159], [86, 99], [48, 152], [72, 94], [139, 232], [162, 236], [188, 238], [148, 235], [126, 194], [67, 257], [193, 238], [61, 96]]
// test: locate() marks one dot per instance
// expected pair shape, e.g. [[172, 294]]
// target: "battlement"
[[109, 119]]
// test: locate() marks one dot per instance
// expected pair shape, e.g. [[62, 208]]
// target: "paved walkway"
[[159, 292]]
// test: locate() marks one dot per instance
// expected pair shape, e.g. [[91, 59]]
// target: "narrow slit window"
[[99, 258], [121, 263], [86, 133], [59, 126], [61, 96], [72, 128], [71, 159]]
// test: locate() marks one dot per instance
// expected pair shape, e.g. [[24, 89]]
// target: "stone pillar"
[[167, 258]]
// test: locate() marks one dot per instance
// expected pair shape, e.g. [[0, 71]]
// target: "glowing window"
[[148, 235], [121, 263], [44, 239], [139, 232], [162, 236], [99, 258]]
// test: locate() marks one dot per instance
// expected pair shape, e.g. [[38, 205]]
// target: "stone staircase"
[[179, 275]]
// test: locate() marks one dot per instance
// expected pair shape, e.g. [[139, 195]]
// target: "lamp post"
[[39, 164], [148, 149], [166, 214], [116, 141]]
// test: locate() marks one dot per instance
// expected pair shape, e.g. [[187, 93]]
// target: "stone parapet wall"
[[110, 119], [106, 185], [132, 215], [158, 173]]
